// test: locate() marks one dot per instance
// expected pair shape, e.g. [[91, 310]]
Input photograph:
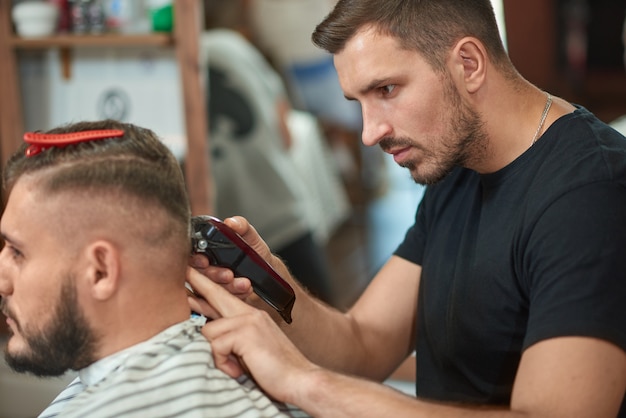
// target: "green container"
[[162, 18]]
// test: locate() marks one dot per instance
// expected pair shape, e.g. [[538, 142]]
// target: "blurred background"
[[356, 202]]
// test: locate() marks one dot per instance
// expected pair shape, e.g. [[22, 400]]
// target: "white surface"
[[35, 18], [284, 27], [326, 200], [498, 9], [136, 85], [407, 388], [620, 124]]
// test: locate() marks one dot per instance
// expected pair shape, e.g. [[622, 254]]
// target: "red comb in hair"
[[41, 141]]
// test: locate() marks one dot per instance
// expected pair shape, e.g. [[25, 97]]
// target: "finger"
[[239, 224], [222, 336], [198, 261], [241, 287], [218, 274], [216, 296], [249, 234], [221, 275], [232, 366], [200, 306], [238, 286], [227, 363]]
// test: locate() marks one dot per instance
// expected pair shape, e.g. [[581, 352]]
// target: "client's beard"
[[68, 343]]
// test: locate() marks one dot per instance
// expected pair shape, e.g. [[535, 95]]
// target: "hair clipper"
[[225, 248]]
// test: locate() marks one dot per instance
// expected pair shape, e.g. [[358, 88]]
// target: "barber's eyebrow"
[[374, 84]]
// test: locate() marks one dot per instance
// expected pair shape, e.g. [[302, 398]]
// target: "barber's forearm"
[[326, 394], [325, 335]]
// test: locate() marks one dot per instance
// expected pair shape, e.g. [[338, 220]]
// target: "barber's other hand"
[[243, 335], [238, 286]]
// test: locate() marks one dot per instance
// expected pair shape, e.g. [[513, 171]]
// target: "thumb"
[[250, 235]]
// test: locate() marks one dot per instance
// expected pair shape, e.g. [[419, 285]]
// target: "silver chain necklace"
[[543, 118]]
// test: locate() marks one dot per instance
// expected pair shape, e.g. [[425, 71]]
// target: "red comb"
[[40, 141]]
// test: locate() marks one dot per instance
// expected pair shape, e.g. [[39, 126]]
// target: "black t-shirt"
[[534, 251]]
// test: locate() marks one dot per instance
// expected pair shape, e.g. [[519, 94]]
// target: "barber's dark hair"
[[430, 27], [137, 164]]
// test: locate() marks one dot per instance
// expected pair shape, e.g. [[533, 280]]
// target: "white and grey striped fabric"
[[170, 375], [70, 392]]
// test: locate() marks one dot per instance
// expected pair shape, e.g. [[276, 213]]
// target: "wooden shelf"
[[66, 42], [184, 40], [104, 40]]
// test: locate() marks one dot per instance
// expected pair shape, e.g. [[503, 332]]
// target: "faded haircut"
[[137, 164]]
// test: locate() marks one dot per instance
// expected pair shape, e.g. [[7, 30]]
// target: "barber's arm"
[[560, 377], [371, 339]]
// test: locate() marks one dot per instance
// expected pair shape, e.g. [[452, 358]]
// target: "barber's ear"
[[103, 269], [469, 57]]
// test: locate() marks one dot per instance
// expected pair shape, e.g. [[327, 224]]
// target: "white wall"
[[137, 85], [498, 8]]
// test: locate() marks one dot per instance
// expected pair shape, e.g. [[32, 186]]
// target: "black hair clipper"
[[225, 248]]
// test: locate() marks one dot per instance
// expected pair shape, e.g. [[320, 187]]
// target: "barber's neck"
[[511, 112]]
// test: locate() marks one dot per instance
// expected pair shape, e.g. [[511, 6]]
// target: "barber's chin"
[[419, 173], [422, 175]]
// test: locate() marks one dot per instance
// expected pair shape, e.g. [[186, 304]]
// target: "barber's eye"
[[388, 89], [15, 253]]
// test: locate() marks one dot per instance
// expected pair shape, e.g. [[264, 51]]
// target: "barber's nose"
[[374, 127]]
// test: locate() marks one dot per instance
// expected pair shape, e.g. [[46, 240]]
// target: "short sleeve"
[[413, 246], [576, 267]]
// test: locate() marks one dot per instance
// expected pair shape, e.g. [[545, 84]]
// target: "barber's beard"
[[67, 343], [463, 144]]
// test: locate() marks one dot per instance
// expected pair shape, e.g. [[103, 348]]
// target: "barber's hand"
[[250, 235], [243, 337], [241, 287], [238, 286]]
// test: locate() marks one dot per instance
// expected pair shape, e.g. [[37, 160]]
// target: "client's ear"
[[103, 269]]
